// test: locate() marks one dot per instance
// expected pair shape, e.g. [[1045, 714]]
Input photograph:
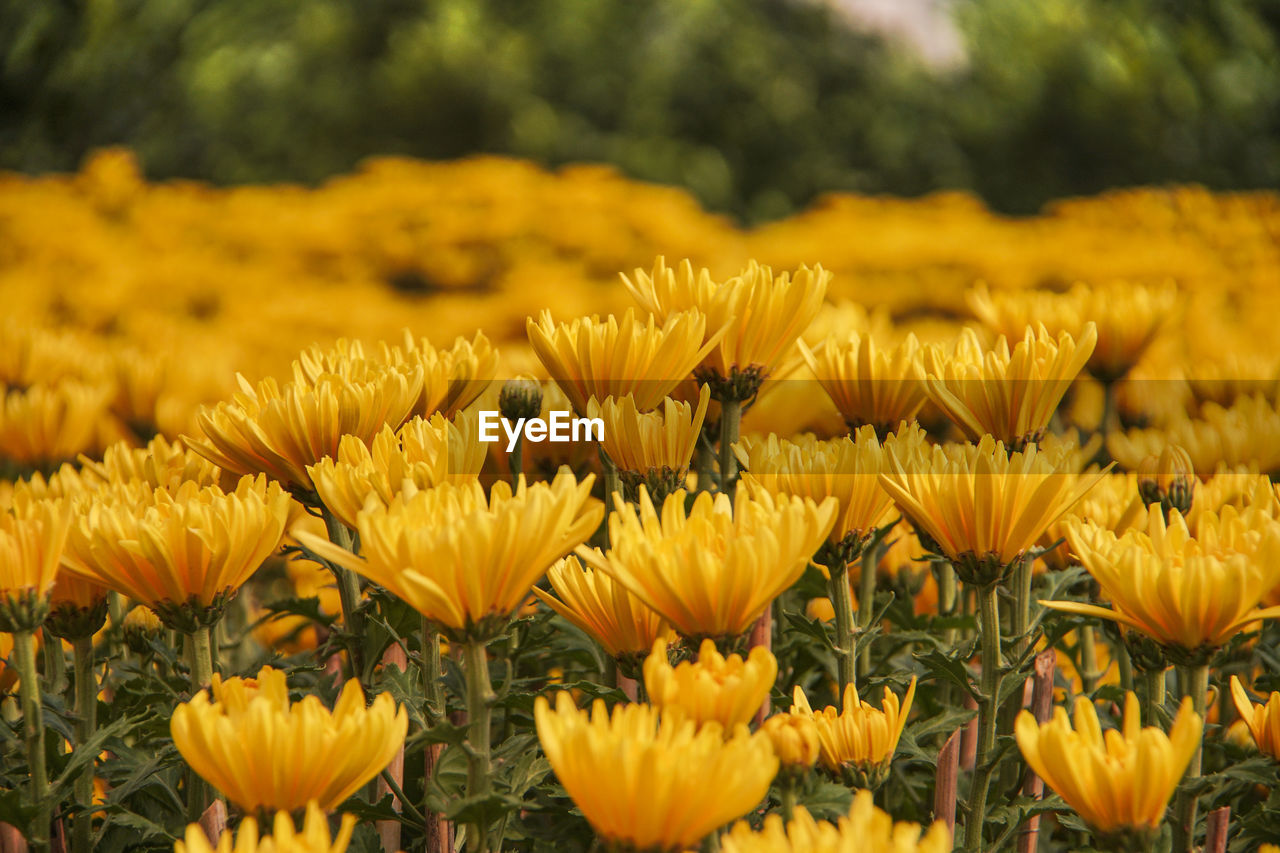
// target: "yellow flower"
[[1246, 434], [981, 507], [867, 829], [604, 609], [1117, 781], [78, 607], [160, 464], [795, 741], [30, 552], [717, 689], [280, 431], [314, 838], [1263, 720], [465, 560], [1168, 479], [846, 469], [651, 447], [452, 379], [1231, 376], [653, 781], [870, 385], [44, 425], [264, 753], [1009, 395], [183, 554], [1190, 594], [713, 570], [858, 741], [590, 357], [420, 455]]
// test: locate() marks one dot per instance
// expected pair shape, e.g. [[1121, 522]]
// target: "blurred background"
[[755, 106]]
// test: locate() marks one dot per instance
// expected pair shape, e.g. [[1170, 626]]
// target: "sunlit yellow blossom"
[[314, 837], [651, 447], [711, 571], [795, 740], [867, 384], [590, 357], [1188, 593], [31, 549], [599, 605], [1007, 394], [1232, 376], [858, 741], [50, 424], [1117, 781], [653, 781], [464, 559], [728, 690], [262, 752], [452, 378], [160, 464], [419, 455], [1239, 488], [184, 554], [981, 507], [1246, 434], [1263, 720], [867, 829], [279, 431]]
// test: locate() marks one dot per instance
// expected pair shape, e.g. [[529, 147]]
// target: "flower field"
[[907, 526]]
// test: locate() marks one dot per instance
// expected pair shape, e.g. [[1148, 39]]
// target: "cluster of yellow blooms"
[[1092, 412]]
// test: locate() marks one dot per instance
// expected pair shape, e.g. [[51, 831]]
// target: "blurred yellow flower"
[[650, 780], [44, 425], [604, 609], [314, 837], [452, 379], [795, 741], [1168, 479], [655, 447], [1008, 395], [858, 741], [1263, 720], [1246, 434], [264, 753], [1117, 781], [590, 357], [717, 689], [461, 558], [712, 570], [866, 829], [31, 550], [869, 385]]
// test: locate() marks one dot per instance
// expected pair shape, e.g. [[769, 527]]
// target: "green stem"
[[1194, 682], [55, 664], [1153, 694], [24, 652], [480, 699], [989, 688], [842, 603], [1022, 578], [86, 725], [348, 593], [1088, 663], [200, 654], [704, 459], [516, 459], [788, 796], [730, 422], [867, 597]]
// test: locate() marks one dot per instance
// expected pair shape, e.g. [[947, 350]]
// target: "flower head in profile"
[[646, 358], [604, 609], [1119, 782], [264, 752], [711, 571], [869, 385], [981, 507], [866, 829], [465, 560], [717, 689], [858, 741], [795, 741], [1007, 394], [655, 447], [285, 838], [45, 425], [650, 780], [453, 378], [31, 550], [1263, 720]]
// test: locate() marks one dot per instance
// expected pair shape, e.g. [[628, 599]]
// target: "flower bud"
[[520, 398], [795, 742], [140, 626], [1168, 480]]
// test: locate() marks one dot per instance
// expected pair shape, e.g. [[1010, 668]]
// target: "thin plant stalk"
[[1153, 696], [435, 827], [989, 689], [348, 591], [200, 657], [24, 652], [1194, 682], [788, 794], [1022, 578], [86, 724], [480, 699], [867, 597], [55, 664], [516, 458], [730, 423], [1088, 666], [842, 603]]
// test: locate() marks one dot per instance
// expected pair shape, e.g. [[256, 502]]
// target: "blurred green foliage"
[[755, 105]]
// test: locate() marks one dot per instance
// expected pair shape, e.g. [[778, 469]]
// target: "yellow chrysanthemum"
[[461, 558], [1263, 720], [184, 554], [1117, 781], [1009, 395], [1231, 376], [314, 837], [420, 455], [590, 357], [869, 385], [600, 606], [1186, 593], [795, 740], [717, 689], [981, 507], [652, 781], [867, 829], [279, 431], [859, 740], [651, 447], [711, 571], [160, 464], [452, 378], [262, 752], [44, 425], [31, 549], [1246, 434]]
